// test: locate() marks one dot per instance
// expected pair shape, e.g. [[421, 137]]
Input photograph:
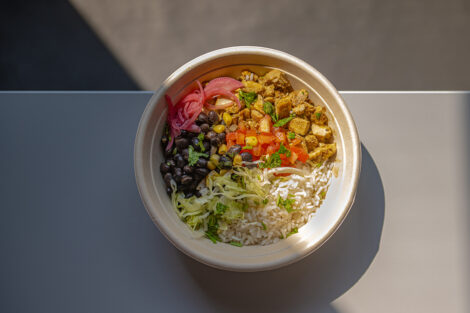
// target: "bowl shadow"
[[315, 281]]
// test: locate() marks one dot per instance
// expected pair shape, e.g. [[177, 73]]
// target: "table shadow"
[[317, 280]]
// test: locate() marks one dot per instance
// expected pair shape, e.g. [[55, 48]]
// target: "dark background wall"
[[131, 45]]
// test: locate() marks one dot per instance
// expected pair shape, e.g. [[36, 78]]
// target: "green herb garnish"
[[220, 208], [293, 231], [201, 141], [286, 203], [323, 194], [264, 226], [268, 108], [194, 156], [318, 115], [248, 97], [214, 238], [319, 164], [274, 160], [212, 227], [265, 201], [236, 243], [175, 151], [284, 121], [247, 148], [291, 135]]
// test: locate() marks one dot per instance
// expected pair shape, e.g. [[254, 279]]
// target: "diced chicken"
[[265, 124], [268, 90], [323, 152], [299, 110], [309, 109], [311, 142], [258, 104], [299, 126], [299, 96], [277, 78], [244, 114], [283, 107], [323, 133], [256, 116], [251, 86], [318, 116]]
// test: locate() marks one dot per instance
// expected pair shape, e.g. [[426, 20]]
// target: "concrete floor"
[[358, 44]]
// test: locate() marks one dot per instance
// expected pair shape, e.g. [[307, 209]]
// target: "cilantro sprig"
[[284, 121], [268, 108], [274, 160], [247, 97], [194, 156], [295, 230]]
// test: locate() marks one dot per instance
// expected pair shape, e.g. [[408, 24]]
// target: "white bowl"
[[148, 155]]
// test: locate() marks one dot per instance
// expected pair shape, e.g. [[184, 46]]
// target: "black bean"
[[195, 144], [177, 171], [193, 185], [181, 143], [234, 150], [246, 156], [185, 154], [213, 117], [171, 163], [177, 178], [205, 127], [186, 179], [215, 141], [225, 161], [168, 153], [184, 133], [221, 137], [201, 171], [168, 178], [210, 135], [201, 162], [197, 193], [207, 145], [164, 168], [179, 160], [202, 118], [188, 169]]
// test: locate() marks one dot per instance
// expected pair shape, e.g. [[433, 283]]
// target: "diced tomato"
[[281, 136], [251, 132], [282, 174], [296, 141], [256, 151], [293, 157], [230, 143], [240, 139], [265, 138], [270, 150], [302, 154], [242, 127], [231, 136]]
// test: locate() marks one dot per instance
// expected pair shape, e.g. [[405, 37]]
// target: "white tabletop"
[[75, 237]]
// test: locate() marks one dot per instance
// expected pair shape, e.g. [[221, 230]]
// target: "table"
[[74, 236]]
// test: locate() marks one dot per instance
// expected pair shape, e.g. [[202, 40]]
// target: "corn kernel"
[[227, 118], [215, 159], [211, 165], [251, 141], [223, 149], [219, 128], [237, 160], [223, 172]]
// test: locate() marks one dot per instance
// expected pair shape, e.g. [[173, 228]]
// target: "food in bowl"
[[248, 160]]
